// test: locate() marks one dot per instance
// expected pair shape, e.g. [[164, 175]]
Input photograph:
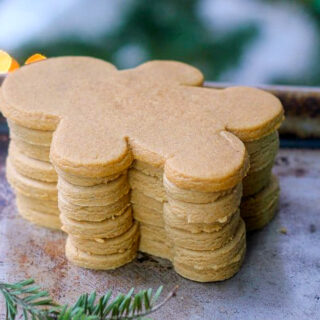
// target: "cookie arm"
[[214, 164], [87, 149], [255, 113], [248, 113]]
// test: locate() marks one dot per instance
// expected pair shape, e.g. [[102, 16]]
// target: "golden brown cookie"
[[204, 241], [147, 215], [100, 261], [85, 181], [34, 151], [108, 228], [32, 136], [99, 195], [259, 209], [215, 265], [154, 240], [140, 199], [150, 101], [176, 140], [31, 168], [192, 196], [149, 185], [39, 218], [148, 169], [262, 151], [181, 222], [30, 187], [255, 181], [41, 212], [212, 212], [41, 205], [93, 213], [106, 246], [217, 273]]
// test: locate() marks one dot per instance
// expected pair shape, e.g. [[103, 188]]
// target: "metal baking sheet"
[[280, 278]]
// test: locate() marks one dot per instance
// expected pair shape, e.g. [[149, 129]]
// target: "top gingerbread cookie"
[[158, 113]]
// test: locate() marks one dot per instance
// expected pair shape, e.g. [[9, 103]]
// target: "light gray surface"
[[280, 278]]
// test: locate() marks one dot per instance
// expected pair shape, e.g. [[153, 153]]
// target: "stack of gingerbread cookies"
[[97, 216], [179, 224], [146, 159], [260, 187], [32, 176]]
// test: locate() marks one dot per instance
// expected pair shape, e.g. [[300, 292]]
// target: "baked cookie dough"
[[155, 131], [259, 209]]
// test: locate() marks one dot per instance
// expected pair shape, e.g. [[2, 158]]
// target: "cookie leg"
[[97, 216], [208, 234]]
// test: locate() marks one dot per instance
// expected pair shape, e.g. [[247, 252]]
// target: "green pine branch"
[[29, 301]]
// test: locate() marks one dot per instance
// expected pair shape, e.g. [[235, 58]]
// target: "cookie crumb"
[[283, 230]]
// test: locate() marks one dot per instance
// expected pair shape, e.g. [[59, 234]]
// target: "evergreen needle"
[[24, 300]]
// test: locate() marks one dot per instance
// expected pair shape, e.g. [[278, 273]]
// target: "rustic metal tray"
[[280, 278]]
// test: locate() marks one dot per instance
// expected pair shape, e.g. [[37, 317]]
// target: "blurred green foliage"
[[165, 29], [171, 29]]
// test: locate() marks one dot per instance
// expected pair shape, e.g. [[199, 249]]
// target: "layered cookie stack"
[[32, 176], [200, 232], [146, 150], [97, 215], [260, 188], [258, 209]]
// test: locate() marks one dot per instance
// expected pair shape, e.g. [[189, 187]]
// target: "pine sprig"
[[26, 296], [31, 302]]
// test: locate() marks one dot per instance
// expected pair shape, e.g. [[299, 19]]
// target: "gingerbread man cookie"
[[154, 130]]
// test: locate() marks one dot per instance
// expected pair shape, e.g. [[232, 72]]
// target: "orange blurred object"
[[34, 58], [7, 63]]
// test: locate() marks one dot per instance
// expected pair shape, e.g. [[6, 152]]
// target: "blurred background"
[[238, 41]]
